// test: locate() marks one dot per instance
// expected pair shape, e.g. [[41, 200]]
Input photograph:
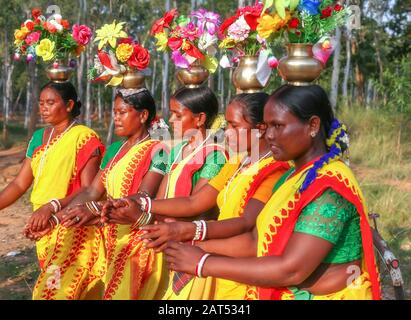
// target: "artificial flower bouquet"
[[250, 32], [117, 54], [50, 39], [190, 39]]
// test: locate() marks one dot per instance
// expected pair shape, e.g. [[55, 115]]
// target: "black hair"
[[253, 104], [305, 102], [142, 100], [67, 92], [308, 101], [199, 100]]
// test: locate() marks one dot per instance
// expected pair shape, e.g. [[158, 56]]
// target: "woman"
[[232, 190], [313, 235], [61, 160], [134, 165]]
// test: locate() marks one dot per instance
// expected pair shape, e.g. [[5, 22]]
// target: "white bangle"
[[55, 219], [149, 204], [56, 205], [201, 264], [197, 234], [204, 224]]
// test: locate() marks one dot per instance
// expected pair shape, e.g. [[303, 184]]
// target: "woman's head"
[[58, 102], [133, 109], [192, 108], [244, 116], [300, 122]]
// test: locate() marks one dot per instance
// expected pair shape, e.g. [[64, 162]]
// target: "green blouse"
[[35, 142], [212, 166], [158, 162], [335, 219]]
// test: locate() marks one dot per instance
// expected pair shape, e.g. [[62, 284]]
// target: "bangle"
[[149, 204], [53, 216], [200, 265], [197, 235], [56, 205], [204, 231]]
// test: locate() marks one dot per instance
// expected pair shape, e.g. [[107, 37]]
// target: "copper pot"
[[58, 72], [245, 75], [193, 77], [133, 79], [299, 67]]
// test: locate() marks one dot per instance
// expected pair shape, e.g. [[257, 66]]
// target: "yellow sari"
[[72, 261], [275, 225], [133, 272]]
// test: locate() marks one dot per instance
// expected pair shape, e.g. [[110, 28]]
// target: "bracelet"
[[199, 226], [53, 216], [200, 265], [56, 205], [204, 231]]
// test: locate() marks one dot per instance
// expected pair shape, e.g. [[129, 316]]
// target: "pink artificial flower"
[[33, 38], [239, 30], [82, 34], [179, 60]]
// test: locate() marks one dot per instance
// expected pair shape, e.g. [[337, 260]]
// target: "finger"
[[156, 243], [151, 235], [170, 259], [169, 220], [170, 251], [44, 223], [150, 228], [161, 248]]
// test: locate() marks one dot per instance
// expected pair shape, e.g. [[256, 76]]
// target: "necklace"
[[46, 149], [114, 160], [244, 162], [177, 157]]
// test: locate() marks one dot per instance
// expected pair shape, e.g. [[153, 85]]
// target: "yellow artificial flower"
[[268, 24], [45, 49], [124, 52], [162, 41], [20, 34], [227, 43], [109, 33]]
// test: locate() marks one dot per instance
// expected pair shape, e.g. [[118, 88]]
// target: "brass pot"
[[245, 75], [133, 79], [299, 67], [193, 77], [58, 72]]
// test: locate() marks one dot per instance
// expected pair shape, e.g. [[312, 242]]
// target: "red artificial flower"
[[140, 58], [65, 24], [175, 43], [163, 22], [191, 50], [128, 40], [327, 12], [23, 48], [227, 23], [37, 21], [251, 15], [293, 24], [36, 12], [29, 25], [49, 27], [338, 7]]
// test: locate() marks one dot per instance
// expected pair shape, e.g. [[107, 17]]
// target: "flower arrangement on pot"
[[191, 40], [246, 38], [52, 40], [309, 32], [120, 59]]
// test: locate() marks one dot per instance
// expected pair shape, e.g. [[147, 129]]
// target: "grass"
[[380, 152]]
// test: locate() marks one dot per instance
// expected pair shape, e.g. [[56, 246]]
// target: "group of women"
[[276, 215]]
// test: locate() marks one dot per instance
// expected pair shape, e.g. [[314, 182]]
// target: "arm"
[[302, 256], [18, 186]]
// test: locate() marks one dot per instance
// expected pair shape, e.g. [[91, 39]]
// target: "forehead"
[[120, 103], [235, 112], [176, 106], [277, 112], [49, 93]]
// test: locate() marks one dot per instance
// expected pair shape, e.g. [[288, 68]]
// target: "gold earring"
[[313, 134]]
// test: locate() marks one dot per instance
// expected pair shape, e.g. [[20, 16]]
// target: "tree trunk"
[[336, 70], [164, 90], [347, 66], [111, 126], [8, 86], [99, 106], [35, 105], [359, 76], [88, 91]]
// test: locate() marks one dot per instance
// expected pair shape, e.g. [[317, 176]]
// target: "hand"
[[156, 236], [40, 218], [76, 216], [36, 236], [183, 257], [123, 211]]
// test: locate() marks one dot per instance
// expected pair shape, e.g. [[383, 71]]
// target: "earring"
[[313, 134], [258, 135]]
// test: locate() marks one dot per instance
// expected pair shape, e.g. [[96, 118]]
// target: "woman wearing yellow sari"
[[314, 240], [230, 190], [134, 165], [61, 160]]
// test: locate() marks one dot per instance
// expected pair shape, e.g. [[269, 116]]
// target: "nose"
[[269, 134]]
